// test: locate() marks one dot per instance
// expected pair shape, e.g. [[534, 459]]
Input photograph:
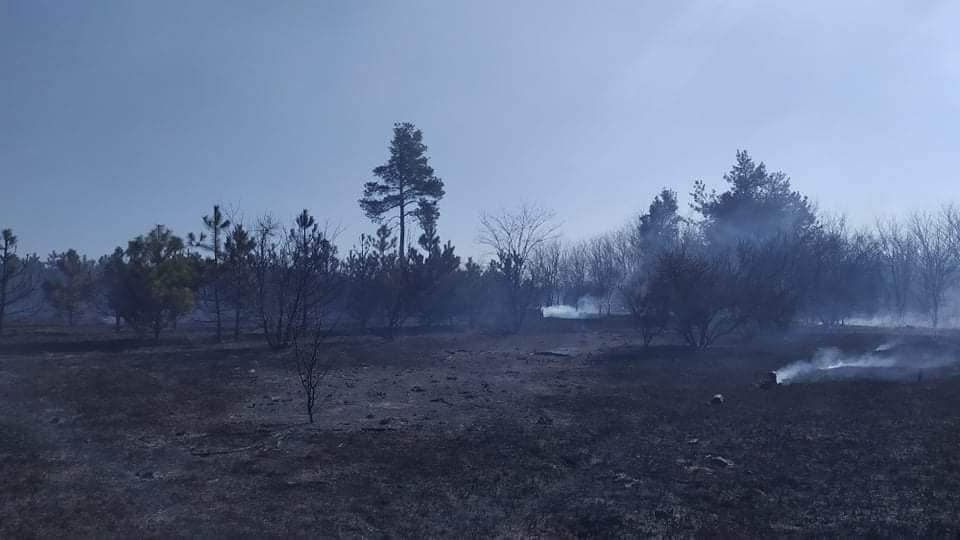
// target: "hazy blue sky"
[[118, 115]]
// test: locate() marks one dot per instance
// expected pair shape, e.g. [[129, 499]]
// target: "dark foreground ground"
[[461, 436]]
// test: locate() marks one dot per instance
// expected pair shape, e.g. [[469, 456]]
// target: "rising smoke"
[[890, 361]]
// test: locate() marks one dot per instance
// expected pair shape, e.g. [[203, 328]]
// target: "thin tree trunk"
[[402, 249], [216, 306], [3, 292], [236, 323]]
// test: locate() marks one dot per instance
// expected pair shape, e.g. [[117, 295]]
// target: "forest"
[[752, 258]]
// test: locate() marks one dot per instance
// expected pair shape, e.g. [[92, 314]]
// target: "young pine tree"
[[16, 280], [69, 284], [160, 279], [239, 259], [216, 226]]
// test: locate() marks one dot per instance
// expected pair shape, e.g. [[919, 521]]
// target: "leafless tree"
[[545, 270], [698, 286], [574, 271], [770, 279], [649, 304], [937, 261], [17, 280], [899, 251], [312, 362], [605, 273], [626, 256], [514, 235]]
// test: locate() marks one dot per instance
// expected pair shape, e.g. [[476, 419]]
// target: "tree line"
[[754, 257]]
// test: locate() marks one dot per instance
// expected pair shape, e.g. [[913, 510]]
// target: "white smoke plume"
[[587, 308], [890, 361]]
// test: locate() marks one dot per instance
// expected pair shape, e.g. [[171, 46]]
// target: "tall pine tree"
[[407, 182]]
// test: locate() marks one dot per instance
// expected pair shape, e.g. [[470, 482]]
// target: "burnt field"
[[554, 434]]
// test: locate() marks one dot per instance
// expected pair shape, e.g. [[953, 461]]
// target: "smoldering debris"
[[891, 361]]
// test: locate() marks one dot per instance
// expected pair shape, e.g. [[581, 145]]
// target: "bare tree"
[[937, 261], [312, 362], [514, 235], [605, 274], [771, 277], [649, 304], [626, 257], [698, 287], [17, 283], [899, 251], [545, 268], [574, 271]]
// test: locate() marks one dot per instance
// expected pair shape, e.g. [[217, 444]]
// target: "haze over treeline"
[[751, 256]]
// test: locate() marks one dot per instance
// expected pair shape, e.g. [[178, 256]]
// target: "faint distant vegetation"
[[751, 258]]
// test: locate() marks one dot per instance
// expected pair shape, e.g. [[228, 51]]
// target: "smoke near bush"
[[586, 308], [890, 362]]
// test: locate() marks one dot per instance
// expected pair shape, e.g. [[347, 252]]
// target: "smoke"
[[911, 320], [587, 308], [890, 361]]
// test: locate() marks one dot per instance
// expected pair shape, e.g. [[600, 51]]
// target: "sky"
[[118, 115]]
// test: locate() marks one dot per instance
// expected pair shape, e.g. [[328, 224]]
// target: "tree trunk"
[[236, 323], [401, 248], [216, 307], [216, 273], [3, 293]]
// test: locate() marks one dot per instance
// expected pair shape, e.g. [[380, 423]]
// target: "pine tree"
[[215, 226], [70, 283], [406, 183], [239, 261], [659, 228], [111, 283], [160, 280], [16, 279], [757, 205]]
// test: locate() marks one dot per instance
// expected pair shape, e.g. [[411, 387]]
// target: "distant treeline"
[[753, 258]]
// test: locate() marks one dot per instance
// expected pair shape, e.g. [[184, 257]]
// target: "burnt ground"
[[463, 435]]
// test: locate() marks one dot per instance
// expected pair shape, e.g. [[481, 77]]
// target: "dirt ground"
[[554, 435]]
